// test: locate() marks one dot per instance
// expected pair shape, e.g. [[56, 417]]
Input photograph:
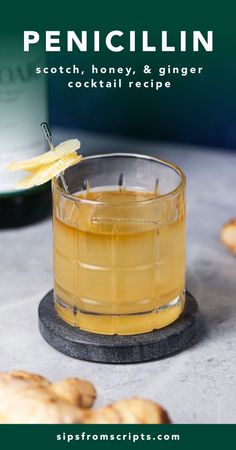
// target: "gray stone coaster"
[[117, 349]]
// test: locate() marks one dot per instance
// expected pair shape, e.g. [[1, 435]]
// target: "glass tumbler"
[[119, 244]]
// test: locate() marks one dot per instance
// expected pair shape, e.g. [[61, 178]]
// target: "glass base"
[[122, 324]]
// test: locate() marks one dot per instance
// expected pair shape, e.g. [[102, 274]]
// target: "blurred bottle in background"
[[23, 106]]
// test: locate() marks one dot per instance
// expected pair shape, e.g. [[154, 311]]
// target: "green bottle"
[[23, 106]]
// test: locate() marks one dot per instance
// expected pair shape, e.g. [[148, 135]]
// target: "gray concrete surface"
[[195, 386]]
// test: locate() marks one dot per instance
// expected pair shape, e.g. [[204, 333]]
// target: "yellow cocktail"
[[119, 249]]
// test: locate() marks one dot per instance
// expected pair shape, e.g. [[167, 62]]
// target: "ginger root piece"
[[30, 398], [131, 411], [228, 235], [75, 391]]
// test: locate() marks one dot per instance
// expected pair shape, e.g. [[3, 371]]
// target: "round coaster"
[[117, 349]]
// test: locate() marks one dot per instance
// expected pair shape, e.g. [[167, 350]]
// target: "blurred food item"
[[30, 398], [76, 391], [228, 235], [133, 411]]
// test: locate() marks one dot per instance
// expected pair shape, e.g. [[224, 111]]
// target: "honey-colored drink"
[[119, 260], [119, 237]]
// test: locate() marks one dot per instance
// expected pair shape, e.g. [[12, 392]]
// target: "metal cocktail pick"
[[47, 135], [156, 187]]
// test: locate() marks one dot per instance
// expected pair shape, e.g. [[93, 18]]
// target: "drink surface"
[[119, 259]]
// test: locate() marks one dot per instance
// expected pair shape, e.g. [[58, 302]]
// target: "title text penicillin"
[[118, 41]]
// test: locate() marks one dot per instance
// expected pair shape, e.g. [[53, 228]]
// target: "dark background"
[[197, 110]]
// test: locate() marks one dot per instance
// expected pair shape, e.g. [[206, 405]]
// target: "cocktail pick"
[[48, 137], [121, 182], [156, 186]]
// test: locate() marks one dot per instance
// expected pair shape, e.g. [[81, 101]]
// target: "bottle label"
[[23, 106]]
